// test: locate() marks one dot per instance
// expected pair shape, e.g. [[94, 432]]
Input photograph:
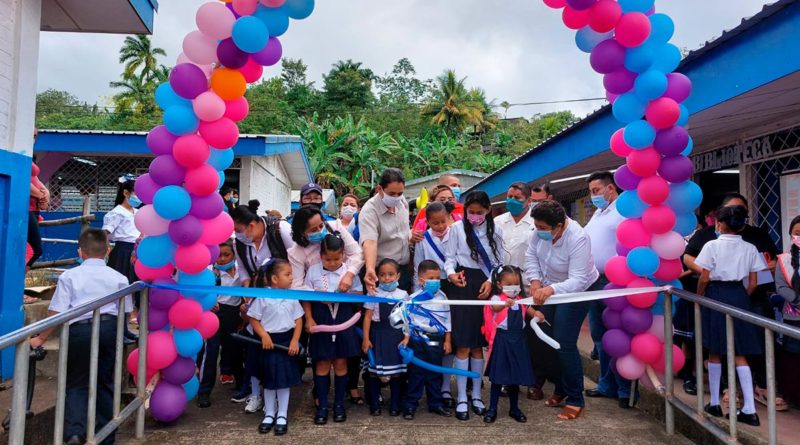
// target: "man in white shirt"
[[602, 232], [516, 223]]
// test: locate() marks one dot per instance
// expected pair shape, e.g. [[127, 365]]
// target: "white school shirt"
[[261, 255], [88, 282], [567, 266], [397, 294], [458, 253], [119, 224], [276, 315], [504, 324], [730, 258], [225, 280], [317, 278], [515, 237], [602, 231], [440, 311], [424, 251]]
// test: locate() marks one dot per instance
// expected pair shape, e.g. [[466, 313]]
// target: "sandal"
[[356, 400], [725, 401], [555, 401], [760, 394], [570, 413], [27, 299]]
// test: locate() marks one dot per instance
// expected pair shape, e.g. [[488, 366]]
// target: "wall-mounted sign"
[[744, 152]]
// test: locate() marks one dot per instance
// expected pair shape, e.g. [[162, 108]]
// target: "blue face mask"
[[234, 200], [134, 201], [600, 201], [432, 286], [80, 261], [456, 192], [717, 233], [388, 287], [545, 236], [515, 206], [225, 267], [317, 237]]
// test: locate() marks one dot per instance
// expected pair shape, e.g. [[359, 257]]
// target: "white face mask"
[[347, 212], [392, 201], [511, 291]]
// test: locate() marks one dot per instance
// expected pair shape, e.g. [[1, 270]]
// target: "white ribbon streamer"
[[575, 297], [542, 336]]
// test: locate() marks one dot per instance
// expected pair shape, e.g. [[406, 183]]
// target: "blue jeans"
[[566, 329]]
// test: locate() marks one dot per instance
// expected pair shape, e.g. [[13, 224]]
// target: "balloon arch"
[[183, 219]]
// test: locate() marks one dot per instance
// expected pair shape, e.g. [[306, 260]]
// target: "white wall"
[[20, 22], [264, 178]]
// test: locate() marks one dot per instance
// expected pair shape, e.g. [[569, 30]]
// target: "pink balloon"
[[633, 29], [237, 110], [208, 325], [679, 87], [191, 151], [215, 20], [336, 327], [618, 145], [222, 133], [149, 274], [208, 106], [202, 181], [217, 229], [653, 190], [555, 4], [663, 113], [245, 7], [273, 3], [161, 350], [678, 360], [631, 233], [658, 219], [251, 71], [657, 328], [630, 368], [133, 366], [617, 271], [146, 188], [200, 48], [605, 15], [670, 245], [644, 163], [575, 19], [185, 314], [647, 348], [642, 301], [669, 270], [192, 259], [149, 223]]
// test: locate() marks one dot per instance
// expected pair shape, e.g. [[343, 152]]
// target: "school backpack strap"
[[274, 240], [436, 250], [241, 252]]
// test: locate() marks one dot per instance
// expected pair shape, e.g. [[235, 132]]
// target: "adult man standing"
[[516, 223], [311, 194], [602, 231]]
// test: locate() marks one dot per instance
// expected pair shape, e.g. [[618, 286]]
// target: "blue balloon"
[[629, 205], [643, 261], [628, 108], [684, 197], [650, 85], [156, 251], [408, 357], [683, 119], [172, 202], [685, 223], [208, 301], [275, 19], [204, 278], [636, 5], [166, 97], [662, 28], [298, 9], [221, 179], [667, 58], [689, 147], [250, 34], [586, 38], [641, 58], [180, 120], [221, 159], [191, 387], [639, 134], [188, 342]]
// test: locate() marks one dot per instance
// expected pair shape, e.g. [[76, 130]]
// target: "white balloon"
[[669, 246]]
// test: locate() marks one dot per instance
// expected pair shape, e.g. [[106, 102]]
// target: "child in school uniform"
[[276, 322], [88, 282], [419, 379], [474, 250], [382, 338], [328, 348], [509, 360], [727, 262]]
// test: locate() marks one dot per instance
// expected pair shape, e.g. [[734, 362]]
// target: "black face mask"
[[450, 207], [316, 205]]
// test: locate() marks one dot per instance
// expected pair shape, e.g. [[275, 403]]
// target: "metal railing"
[[21, 339], [696, 413]]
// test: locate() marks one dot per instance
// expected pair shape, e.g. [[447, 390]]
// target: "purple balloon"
[[581, 4], [180, 371], [607, 57], [676, 168], [188, 80], [679, 87], [230, 6], [672, 141], [214, 250], [612, 319], [271, 54], [622, 250], [160, 140], [185, 231], [163, 298], [619, 82], [617, 303], [145, 188], [165, 170], [206, 207], [230, 55], [157, 319], [616, 343], [167, 402], [635, 320], [626, 179]]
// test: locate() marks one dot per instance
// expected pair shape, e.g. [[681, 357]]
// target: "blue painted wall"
[[58, 251]]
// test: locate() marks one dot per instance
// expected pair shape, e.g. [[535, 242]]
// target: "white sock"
[[283, 405], [746, 381], [714, 377], [476, 364], [269, 403], [461, 382], [447, 362]]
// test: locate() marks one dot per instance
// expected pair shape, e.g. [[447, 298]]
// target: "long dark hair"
[[735, 217], [497, 275], [795, 253], [126, 186], [482, 199], [300, 223], [244, 215], [268, 270]]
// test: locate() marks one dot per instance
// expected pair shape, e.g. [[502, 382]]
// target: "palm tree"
[[138, 54], [136, 95], [452, 106]]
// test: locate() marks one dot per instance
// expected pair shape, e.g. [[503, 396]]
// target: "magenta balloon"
[[581, 4], [165, 170], [180, 371], [616, 343], [622, 250], [167, 402], [230, 6], [676, 168], [679, 87], [188, 80], [185, 231], [671, 141], [625, 178], [607, 57], [230, 56], [619, 82], [163, 298], [160, 140], [612, 319], [146, 188], [271, 54], [157, 319], [206, 207], [617, 303], [635, 320], [213, 249]]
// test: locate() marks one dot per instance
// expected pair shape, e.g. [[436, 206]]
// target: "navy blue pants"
[[231, 361], [421, 379], [566, 329]]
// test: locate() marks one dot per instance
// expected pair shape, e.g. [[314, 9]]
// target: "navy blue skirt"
[[385, 340], [323, 346], [467, 321], [278, 370], [510, 362], [120, 260], [745, 335]]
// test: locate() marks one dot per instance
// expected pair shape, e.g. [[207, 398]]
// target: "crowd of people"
[[455, 249]]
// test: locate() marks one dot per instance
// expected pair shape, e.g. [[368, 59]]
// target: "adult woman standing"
[[559, 261], [787, 283], [258, 238], [348, 212]]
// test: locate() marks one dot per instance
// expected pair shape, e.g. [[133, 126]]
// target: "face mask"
[[533, 205], [456, 192], [600, 201], [225, 267], [432, 286], [796, 240], [234, 200], [545, 236], [134, 201], [348, 212], [440, 234], [317, 237], [242, 236], [711, 221], [511, 291], [449, 206], [476, 220], [391, 201], [80, 261], [515, 206], [388, 287]]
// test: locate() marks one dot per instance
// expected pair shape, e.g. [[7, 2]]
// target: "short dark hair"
[[391, 175], [435, 207], [244, 215], [604, 176], [734, 217], [269, 270], [427, 265], [731, 196], [227, 243], [550, 212], [390, 262], [93, 243], [542, 188], [521, 186], [332, 243]]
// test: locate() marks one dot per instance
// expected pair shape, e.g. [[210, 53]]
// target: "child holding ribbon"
[[329, 345]]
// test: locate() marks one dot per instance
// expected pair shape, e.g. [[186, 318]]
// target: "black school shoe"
[[321, 417], [462, 415], [375, 412], [518, 415], [441, 411], [266, 425], [490, 416], [280, 430], [748, 419], [690, 387], [203, 400], [714, 410], [408, 414], [339, 414]]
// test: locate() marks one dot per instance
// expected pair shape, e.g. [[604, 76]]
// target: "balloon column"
[[628, 43], [183, 220]]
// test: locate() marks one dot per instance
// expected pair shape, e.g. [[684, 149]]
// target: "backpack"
[[274, 241]]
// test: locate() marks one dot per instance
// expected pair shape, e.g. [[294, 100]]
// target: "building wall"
[[264, 178], [412, 191]]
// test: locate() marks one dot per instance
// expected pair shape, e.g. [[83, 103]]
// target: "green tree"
[[348, 85], [138, 54], [137, 95], [452, 106], [270, 111], [401, 87]]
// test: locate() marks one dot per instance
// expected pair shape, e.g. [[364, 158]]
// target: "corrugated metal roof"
[[448, 172], [269, 138]]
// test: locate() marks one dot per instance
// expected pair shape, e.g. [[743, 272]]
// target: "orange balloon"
[[229, 84]]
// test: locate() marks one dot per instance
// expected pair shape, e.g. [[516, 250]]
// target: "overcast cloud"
[[516, 50]]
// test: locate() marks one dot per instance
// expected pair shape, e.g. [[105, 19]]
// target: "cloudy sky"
[[517, 50]]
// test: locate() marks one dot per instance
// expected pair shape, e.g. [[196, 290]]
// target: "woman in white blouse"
[[559, 261]]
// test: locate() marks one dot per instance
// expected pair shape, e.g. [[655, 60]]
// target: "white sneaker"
[[254, 404]]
